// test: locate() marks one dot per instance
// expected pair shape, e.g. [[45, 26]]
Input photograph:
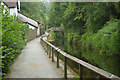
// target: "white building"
[[14, 9]]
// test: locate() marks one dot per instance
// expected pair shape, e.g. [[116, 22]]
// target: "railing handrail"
[[83, 63]]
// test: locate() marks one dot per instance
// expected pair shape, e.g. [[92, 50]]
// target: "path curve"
[[34, 63]]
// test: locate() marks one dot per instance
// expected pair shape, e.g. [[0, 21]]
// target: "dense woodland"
[[35, 10], [91, 30]]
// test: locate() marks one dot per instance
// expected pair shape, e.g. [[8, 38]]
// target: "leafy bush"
[[101, 48], [13, 40], [105, 40], [52, 36], [97, 23]]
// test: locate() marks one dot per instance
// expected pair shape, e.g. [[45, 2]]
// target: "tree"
[[35, 10]]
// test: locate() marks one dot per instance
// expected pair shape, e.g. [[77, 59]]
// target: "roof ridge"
[[10, 4]]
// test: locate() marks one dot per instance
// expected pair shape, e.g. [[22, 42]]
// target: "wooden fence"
[[49, 48]]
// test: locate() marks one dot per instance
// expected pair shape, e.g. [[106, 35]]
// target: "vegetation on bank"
[[13, 40], [91, 32], [51, 36]]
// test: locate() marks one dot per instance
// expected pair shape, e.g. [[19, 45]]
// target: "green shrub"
[[13, 40], [101, 48], [105, 40]]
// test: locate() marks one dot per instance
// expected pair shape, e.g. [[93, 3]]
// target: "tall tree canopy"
[[90, 29], [35, 10]]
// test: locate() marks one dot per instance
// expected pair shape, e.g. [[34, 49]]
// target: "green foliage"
[[105, 40], [56, 13], [97, 15], [0, 37], [52, 36], [90, 30], [13, 40], [35, 10]]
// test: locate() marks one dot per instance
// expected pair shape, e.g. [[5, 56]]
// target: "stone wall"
[[42, 29], [32, 34]]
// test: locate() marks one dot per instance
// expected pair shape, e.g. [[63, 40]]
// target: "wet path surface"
[[34, 63]]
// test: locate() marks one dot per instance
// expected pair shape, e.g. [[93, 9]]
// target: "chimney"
[[18, 3]]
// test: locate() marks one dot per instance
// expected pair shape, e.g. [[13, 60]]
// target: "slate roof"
[[11, 4], [21, 17]]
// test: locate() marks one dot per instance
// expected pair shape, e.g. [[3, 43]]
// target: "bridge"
[[56, 29], [34, 63]]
